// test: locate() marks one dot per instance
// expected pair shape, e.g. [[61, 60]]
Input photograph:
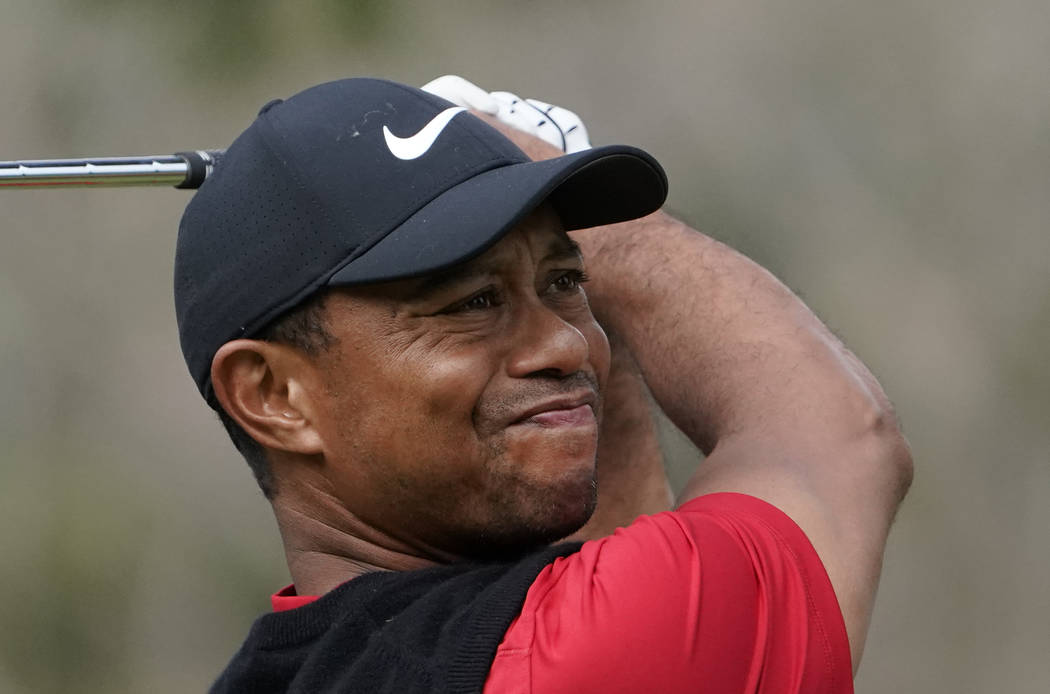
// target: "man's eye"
[[485, 300], [478, 302], [570, 280]]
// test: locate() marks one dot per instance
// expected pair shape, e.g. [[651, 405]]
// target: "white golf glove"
[[554, 124]]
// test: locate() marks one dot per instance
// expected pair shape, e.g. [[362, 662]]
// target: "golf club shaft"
[[181, 170]]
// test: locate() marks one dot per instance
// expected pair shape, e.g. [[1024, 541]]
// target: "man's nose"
[[544, 343]]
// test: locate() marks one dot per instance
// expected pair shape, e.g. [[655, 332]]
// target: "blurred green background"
[[889, 160]]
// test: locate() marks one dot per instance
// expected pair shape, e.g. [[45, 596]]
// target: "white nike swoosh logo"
[[416, 146]]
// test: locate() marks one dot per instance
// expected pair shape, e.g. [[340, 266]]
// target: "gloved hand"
[[554, 124]]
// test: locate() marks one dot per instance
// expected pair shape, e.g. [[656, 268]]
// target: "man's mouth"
[[565, 411], [582, 415]]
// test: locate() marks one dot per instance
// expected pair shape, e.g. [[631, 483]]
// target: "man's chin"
[[529, 524]]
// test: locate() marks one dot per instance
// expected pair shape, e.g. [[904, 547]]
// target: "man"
[[377, 292]]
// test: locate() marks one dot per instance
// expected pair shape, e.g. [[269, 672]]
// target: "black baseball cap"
[[363, 180]]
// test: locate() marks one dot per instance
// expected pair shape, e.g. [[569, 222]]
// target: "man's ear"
[[268, 389]]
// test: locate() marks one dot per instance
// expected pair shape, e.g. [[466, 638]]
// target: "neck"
[[326, 545]]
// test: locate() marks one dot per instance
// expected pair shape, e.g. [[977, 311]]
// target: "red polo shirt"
[[725, 594]]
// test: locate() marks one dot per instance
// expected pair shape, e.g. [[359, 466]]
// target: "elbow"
[[889, 454], [901, 464]]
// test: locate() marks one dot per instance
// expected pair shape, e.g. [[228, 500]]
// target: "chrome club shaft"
[[181, 170]]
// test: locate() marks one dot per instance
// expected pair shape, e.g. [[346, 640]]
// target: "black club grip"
[[199, 165]]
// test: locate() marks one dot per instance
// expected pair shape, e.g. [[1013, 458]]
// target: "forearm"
[[631, 476], [724, 346]]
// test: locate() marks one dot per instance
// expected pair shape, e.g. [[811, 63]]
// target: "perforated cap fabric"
[[364, 180]]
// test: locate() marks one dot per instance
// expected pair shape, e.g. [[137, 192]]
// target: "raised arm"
[[783, 410]]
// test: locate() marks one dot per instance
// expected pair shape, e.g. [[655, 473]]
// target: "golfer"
[[404, 321]]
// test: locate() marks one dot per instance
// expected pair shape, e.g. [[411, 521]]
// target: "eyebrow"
[[559, 248]]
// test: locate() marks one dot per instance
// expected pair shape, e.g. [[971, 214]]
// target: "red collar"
[[287, 599]]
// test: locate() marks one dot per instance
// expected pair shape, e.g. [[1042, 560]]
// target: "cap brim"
[[590, 188]]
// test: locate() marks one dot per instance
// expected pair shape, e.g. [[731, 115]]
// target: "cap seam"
[[293, 164], [292, 167]]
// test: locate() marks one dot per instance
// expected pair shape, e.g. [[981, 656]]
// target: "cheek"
[[414, 407], [448, 393]]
